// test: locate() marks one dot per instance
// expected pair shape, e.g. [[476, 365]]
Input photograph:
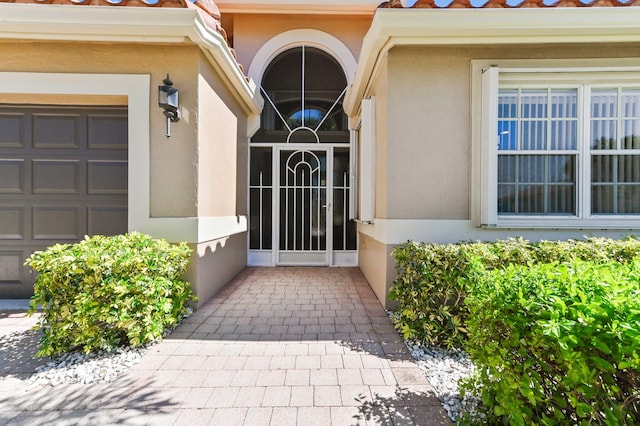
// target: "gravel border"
[[444, 368], [78, 367]]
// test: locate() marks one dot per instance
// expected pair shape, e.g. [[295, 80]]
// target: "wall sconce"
[[168, 101]]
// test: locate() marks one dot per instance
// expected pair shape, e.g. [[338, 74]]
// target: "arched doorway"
[[299, 165]]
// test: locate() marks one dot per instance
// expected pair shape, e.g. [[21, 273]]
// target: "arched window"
[[303, 88]]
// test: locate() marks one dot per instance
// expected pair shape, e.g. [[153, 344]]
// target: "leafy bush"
[[430, 298], [556, 343], [105, 292]]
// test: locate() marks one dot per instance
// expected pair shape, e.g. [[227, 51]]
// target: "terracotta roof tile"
[[210, 7], [466, 4], [607, 3], [130, 3], [495, 4], [567, 3], [460, 4], [425, 4], [395, 4], [532, 3]]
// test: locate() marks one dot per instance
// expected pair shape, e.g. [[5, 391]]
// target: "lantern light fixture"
[[168, 101]]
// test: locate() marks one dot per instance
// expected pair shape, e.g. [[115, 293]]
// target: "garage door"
[[63, 175]]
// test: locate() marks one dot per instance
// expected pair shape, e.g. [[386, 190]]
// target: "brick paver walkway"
[[278, 346]]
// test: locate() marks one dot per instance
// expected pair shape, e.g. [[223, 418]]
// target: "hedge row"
[[556, 344], [553, 327], [429, 292]]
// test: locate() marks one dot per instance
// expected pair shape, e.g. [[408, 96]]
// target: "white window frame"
[[490, 76]]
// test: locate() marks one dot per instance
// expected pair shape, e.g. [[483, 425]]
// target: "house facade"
[[314, 133]]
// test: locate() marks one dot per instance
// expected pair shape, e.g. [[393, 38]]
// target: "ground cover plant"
[[556, 343], [106, 292]]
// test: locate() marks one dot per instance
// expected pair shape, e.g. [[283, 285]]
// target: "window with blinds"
[[615, 150], [556, 144], [560, 148], [537, 151]]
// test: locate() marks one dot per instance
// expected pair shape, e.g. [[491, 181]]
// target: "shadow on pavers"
[[17, 353], [404, 407], [122, 402]]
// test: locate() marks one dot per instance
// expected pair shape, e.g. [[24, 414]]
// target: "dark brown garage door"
[[63, 175]]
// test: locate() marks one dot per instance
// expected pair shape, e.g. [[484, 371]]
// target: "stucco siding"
[[221, 125], [428, 127], [377, 265], [173, 177], [252, 31], [429, 122], [424, 181], [214, 264], [197, 173]]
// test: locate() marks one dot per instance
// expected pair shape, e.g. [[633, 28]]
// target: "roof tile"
[[425, 4], [466, 4], [460, 4]]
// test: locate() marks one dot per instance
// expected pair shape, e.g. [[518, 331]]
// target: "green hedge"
[[430, 296], [105, 292], [556, 343]]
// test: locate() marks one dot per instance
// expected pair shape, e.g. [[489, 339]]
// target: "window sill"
[[631, 223]]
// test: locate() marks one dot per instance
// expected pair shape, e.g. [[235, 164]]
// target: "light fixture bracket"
[[168, 101]]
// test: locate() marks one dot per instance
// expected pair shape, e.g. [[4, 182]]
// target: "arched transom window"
[[303, 88]]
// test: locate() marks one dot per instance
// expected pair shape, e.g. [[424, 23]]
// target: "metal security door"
[[304, 201]]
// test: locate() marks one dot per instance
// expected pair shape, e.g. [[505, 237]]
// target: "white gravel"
[[94, 367], [444, 369], [78, 367]]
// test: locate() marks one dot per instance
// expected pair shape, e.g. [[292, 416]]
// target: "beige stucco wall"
[[214, 264], [173, 177], [250, 32], [423, 145], [222, 136], [377, 266], [199, 171], [429, 121]]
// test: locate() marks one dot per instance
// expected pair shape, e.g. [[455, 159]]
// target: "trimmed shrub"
[[430, 298], [105, 292], [556, 343]]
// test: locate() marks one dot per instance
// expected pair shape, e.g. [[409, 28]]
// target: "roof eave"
[[130, 25], [432, 27]]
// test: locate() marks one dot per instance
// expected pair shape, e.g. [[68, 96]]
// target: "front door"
[[303, 204], [299, 165]]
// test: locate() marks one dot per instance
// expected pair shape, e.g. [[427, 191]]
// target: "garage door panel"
[[12, 220], [11, 266], [56, 177], [12, 125], [63, 175], [56, 131], [107, 220], [107, 177], [108, 132], [12, 176], [56, 223]]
